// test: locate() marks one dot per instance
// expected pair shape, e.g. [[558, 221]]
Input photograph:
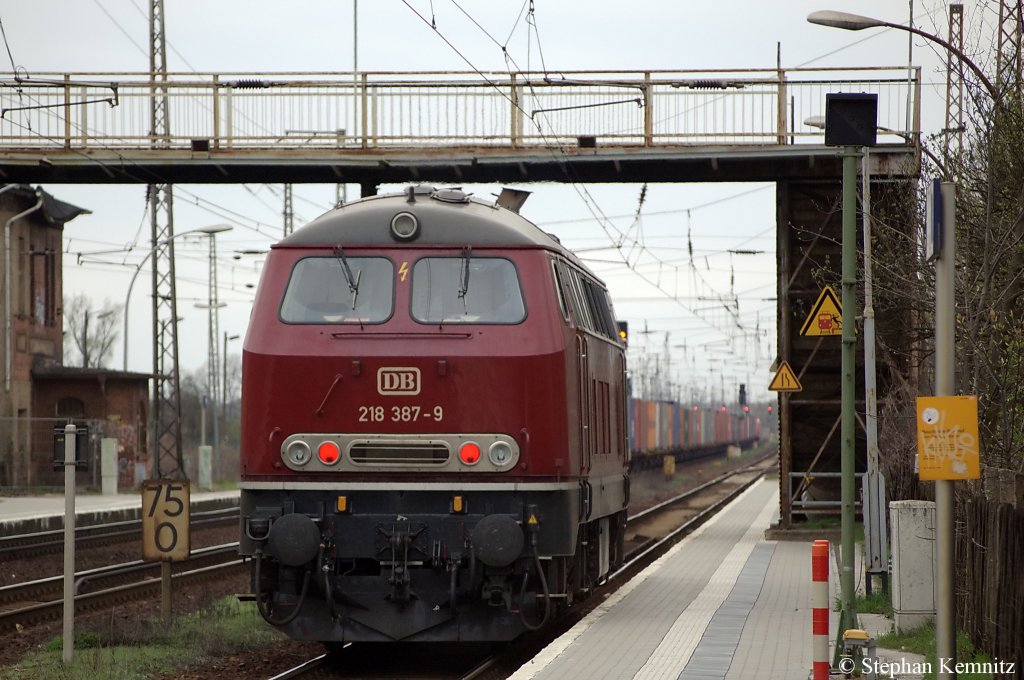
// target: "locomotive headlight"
[[405, 226], [298, 452], [500, 454]]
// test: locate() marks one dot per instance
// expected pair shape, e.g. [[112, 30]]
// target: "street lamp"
[[856, 22], [945, 329], [209, 231]]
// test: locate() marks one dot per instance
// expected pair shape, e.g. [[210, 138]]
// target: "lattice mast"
[[168, 461], [954, 132], [213, 354], [289, 211], [1008, 56]]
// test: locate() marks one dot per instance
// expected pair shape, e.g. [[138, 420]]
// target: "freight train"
[[657, 428], [434, 435]]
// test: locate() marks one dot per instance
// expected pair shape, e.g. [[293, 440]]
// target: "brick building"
[[37, 391], [113, 404]]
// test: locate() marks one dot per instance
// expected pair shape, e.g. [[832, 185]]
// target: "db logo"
[[398, 381]]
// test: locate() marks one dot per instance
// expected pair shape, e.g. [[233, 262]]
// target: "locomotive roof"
[[446, 217]]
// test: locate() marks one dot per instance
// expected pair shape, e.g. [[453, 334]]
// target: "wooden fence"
[[990, 582]]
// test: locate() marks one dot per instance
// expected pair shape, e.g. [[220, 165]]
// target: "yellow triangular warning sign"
[[785, 380], [826, 317], [533, 520]]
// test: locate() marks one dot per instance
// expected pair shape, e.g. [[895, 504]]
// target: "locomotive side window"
[[579, 303], [601, 311], [556, 269], [466, 289], [339, 289], [589, 302]]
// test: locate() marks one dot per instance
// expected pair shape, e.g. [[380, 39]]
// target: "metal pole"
[[945, 371], [910, 69], [214, 373], [851, 154], [69, 543], [223, 400], [127, 300], [165, 590], [224, 392], [875, 534]]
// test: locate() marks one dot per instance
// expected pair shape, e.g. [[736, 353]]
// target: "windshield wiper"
[[353, 281], [467, 254]]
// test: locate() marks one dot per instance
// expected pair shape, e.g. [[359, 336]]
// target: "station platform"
[[723, 604], [27, 514]]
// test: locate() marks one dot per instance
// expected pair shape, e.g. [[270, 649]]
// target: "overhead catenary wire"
[[7, 46], [559, 154]]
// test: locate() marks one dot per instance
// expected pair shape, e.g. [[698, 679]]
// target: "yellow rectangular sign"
[[947, 438]]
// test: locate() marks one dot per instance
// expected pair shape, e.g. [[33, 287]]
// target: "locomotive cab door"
[[584, 402]]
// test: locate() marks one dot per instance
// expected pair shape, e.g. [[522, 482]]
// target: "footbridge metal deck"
[[660, 126]]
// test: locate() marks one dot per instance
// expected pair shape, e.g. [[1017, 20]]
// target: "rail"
[[383, 110]]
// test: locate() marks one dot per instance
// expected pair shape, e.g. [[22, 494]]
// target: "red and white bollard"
[[819, 609]]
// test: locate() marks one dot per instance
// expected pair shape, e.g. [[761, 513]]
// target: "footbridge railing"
[[371, 110]]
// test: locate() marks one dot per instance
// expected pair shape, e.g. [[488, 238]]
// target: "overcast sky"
[[250, 36]]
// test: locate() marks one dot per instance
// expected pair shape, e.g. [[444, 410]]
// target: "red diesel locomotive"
[[433, 425]]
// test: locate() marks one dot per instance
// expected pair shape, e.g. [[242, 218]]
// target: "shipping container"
[[664, 410], [632, 426]]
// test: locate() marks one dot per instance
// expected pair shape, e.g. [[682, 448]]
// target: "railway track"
[[703, 501], [49, 542], [687, 511], [20, 603], [355, 660]]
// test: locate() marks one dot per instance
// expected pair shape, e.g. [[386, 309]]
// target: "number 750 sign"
[[165, 520]]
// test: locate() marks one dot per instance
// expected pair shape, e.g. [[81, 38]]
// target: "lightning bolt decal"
[[403, 271]]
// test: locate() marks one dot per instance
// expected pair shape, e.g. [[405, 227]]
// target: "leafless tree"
[[988, 172], [92, 332]]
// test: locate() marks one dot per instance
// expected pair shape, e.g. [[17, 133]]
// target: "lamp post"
[[224, 390], [209, 231], [945, 328]]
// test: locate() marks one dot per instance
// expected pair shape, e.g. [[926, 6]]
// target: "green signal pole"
[[848, 617]]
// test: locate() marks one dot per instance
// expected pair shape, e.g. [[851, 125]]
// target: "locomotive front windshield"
[[339, 289], [466, 290]]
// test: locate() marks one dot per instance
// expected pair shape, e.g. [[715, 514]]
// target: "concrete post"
[[108, 465]]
